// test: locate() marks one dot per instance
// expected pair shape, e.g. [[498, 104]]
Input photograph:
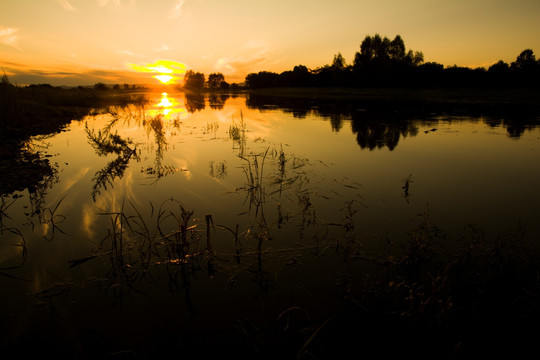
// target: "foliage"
[[193, 80], [215, 80], [382, 62]]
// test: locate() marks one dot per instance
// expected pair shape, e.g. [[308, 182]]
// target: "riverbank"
[[437, 95], [36, 110]]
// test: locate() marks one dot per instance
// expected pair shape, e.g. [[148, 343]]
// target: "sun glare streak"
[[167, 71]]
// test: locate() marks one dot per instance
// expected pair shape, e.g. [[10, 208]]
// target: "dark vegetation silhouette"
[[39, 110], [194, 80], [382, 62]]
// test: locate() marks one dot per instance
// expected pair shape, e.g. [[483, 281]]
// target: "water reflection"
[[195, 102], [279, 215], [105, 143], [381, 124], [168, 107]]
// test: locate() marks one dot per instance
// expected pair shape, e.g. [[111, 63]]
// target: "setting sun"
[[165, 79], [167, 71]]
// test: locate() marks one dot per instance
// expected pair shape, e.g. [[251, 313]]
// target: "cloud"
[[66, 5], [9, 36], [160, 66], [176, 11], [21, 74], [234, 65], [173, 70]]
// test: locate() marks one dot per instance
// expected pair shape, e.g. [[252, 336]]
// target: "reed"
[[237, 132]]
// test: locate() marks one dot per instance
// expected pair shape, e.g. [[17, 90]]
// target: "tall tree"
[[193, 80], [525, 61], [215, 80]]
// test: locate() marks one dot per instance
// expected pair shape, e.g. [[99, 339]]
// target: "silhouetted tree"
[[396, 49], [100, 86], [382, 62], [215, 80], [499, 67], [323, 75], [340, 71], [193, 80], [262, 79], [429, 74], [301, 76], [526, 61]]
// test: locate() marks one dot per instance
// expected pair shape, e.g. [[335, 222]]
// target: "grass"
[[420, 298], [430, 296], [237, 132]]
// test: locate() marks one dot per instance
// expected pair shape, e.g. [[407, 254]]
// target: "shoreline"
[[439, 95]]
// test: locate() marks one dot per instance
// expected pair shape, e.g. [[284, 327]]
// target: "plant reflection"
[[105, 143], [159, 170]]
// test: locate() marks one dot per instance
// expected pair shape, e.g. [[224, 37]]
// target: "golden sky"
[[71, 42]]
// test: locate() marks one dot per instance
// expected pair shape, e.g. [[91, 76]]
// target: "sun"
[[167, 71], [165, 79]]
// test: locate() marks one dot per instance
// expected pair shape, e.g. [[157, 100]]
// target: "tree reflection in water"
[[382, 122]]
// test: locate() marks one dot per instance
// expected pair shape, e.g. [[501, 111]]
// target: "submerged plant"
[[406, 183], [237, 132]]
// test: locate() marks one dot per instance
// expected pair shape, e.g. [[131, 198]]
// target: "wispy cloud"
[[231, 65], [66, 5], [172, 70], [23, 75], [237, 64], [176, 11], [9, 36]]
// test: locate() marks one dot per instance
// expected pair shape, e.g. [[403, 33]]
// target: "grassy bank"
[[35, 110], [435, 95], [42, 110]]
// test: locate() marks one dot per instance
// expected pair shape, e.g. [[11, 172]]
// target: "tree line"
[[382, 62], [197, 81]]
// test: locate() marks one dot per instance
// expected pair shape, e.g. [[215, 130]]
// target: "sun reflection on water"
[[169, 108]]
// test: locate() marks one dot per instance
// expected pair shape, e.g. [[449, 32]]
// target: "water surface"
[[194, 212]]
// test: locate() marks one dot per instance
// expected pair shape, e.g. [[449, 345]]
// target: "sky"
[[82, 42]]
